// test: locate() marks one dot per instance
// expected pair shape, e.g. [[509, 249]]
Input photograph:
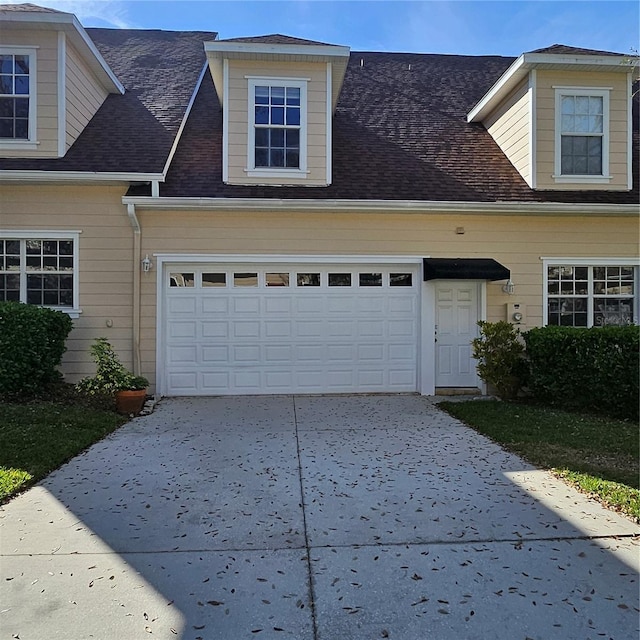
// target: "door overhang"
[[463, 269]]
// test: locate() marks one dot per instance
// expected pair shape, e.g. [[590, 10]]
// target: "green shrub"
[[590, 369], [499, 352], [32, 342], [111, 375]]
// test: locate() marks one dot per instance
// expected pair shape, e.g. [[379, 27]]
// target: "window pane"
[[245, 279], [181, 279], [262, 115], [276, 158], [277, 137], [277, 115], [400, 279], [214, 279], [6, 85], [293, 116], [339, 279], [277, 95], [293, 159], [293, 96], [293, 138], [596, 105], [262, 137], [370, 279], [22, 64], [22, 85], [308, 279], [582, 105], [7, 107], [6, 128], [568, 105], [277, 279], [6, 63], [262, 157], [262, 95], [21, 129]]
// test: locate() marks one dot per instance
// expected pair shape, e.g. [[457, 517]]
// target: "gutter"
[[379, 206], [137, 257], [11, 175]]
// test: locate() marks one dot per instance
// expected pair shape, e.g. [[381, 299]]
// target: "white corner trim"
[[62, 93], [178, 135], [630, 130], [225, 121], [329, 116], [533, 129]]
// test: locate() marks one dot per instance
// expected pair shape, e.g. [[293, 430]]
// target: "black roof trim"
[[464, 269]]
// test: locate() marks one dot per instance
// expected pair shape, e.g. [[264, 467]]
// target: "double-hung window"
[[580, 294], [582, 135], [17, 95], [41, 269], [277, 127]]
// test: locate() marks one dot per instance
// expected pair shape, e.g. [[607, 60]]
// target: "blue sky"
[[481, 27]]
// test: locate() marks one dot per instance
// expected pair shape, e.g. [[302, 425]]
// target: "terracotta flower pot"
[[130, 401]]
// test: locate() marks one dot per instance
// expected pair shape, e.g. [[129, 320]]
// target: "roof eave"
[[222, 48], [36, 176], [527, 61], [380, 206]]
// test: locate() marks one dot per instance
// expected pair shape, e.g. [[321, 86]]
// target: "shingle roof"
[[274, 38], [399, 133], [563, 48], [135, 132], [27, 6]]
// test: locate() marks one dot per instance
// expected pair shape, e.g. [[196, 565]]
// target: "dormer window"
[[277, 127], [582, 135], [17, 95]]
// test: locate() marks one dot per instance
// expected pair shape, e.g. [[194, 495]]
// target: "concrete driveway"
[[330, 518]]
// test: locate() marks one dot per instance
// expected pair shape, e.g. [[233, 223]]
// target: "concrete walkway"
[[314, 518]]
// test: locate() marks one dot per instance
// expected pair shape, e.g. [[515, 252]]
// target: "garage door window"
[[400, 280], [214, 279], [370, 279], [182, 279], [308, 279], [245, 279], [277, 279], [339, 279]]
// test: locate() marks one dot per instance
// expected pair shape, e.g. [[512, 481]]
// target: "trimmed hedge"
[[591, 369], [32, 342]]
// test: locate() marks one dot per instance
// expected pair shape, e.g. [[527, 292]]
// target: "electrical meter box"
[[515, 313]]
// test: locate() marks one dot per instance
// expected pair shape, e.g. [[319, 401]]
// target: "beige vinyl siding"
[[46, 44], [105, 255], [618, 123], [84, 95], [518, 242], [239, 118], [509, 126]]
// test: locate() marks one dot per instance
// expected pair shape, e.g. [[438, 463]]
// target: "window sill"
[[277, 173], [582, 179], [72, 313], [18, 145]]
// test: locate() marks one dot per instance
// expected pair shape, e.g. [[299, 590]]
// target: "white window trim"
[[267, 172], [589, 262], [599, 92], [6, 234], [31, 144]]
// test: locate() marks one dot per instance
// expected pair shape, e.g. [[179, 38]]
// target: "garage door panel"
[[233, 339], [214, 329], [215, 305]]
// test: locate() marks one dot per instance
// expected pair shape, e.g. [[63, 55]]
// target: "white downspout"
[[135, 224]]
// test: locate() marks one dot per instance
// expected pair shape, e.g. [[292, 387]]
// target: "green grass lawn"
[[38, 437], [597, 455]]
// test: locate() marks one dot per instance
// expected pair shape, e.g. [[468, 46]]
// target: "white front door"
[[457, 314]]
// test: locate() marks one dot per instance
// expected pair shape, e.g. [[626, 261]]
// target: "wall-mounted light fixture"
[[147, 264], [509, 288]]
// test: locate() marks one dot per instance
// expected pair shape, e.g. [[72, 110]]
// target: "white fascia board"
[[380, 206], [184, 119], [77, 176], [80, 38], [505, 83], [329, 50], [527, 61]]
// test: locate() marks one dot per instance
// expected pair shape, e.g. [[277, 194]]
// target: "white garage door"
[[255, 329]]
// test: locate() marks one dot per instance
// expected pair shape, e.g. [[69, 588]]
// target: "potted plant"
[[113, 378]]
